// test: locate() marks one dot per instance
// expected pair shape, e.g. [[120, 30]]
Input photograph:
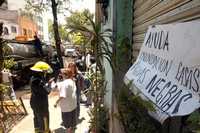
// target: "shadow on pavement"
[[60, 130]]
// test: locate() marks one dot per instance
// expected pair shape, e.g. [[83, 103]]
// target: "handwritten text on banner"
[[167, 70]]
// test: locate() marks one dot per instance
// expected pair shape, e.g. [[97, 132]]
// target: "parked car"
[[70, 52]]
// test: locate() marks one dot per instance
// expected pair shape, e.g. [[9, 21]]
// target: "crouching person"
[[67, 100], [39, 96]]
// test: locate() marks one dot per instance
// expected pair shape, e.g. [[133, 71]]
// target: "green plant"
[[6, 63], [101, 44], [3, 89], [9, 63], [133, 112], [100, 41], [99, 113], [192, 122], [123, 51], [101, 117]]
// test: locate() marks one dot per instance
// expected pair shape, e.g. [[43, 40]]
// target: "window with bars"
[[6, 32], [24, 31]]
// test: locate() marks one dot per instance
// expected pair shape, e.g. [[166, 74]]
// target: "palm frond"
[[106, 50], [106, 31], [79, 28], [110, 62], [91, 22]]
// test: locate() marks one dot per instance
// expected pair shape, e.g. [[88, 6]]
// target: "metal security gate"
[[152, 12]]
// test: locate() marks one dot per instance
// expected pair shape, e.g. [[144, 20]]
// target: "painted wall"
[[124, 19], [108, 71], [120, 21], [27, 27], [123, 37]]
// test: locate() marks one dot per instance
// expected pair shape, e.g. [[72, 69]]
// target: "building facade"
[[4, 5], [117, 16], [27, 27], [10, 20], [39, 22], [131, 19], [38, 25], [16, 25]]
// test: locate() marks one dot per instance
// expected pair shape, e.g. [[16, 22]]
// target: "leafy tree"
[[56, 6], [100, 41], [101, 44], [4, 63], [79, 18], [1, 44], [61, 28], [77, 38]]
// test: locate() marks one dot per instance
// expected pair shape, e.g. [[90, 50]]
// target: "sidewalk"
[[26, 125]]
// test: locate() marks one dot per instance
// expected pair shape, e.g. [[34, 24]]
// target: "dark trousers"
[[78, 105], [41, 122], [56, 73], [39, 51]]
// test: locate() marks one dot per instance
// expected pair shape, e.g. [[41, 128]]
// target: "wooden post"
[[22, 103]]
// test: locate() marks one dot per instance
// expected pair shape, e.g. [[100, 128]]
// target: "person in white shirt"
[[67, 100], [87, 60]]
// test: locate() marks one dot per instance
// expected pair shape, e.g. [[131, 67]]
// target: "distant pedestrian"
[[67, 100], [87, 60], [38, 46], [92, 73], [56, 65], [80, 65], [40, 89], [92, 68]]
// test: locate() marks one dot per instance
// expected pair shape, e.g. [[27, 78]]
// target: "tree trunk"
[[1, 51], [1, 68], [56, 32]]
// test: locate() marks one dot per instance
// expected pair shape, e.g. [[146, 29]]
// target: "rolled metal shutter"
[[152, 12]]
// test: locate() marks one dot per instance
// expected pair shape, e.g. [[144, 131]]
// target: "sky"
[[82, 4], [78, 5]]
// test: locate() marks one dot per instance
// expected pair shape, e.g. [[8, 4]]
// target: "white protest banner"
[[167, 70]]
